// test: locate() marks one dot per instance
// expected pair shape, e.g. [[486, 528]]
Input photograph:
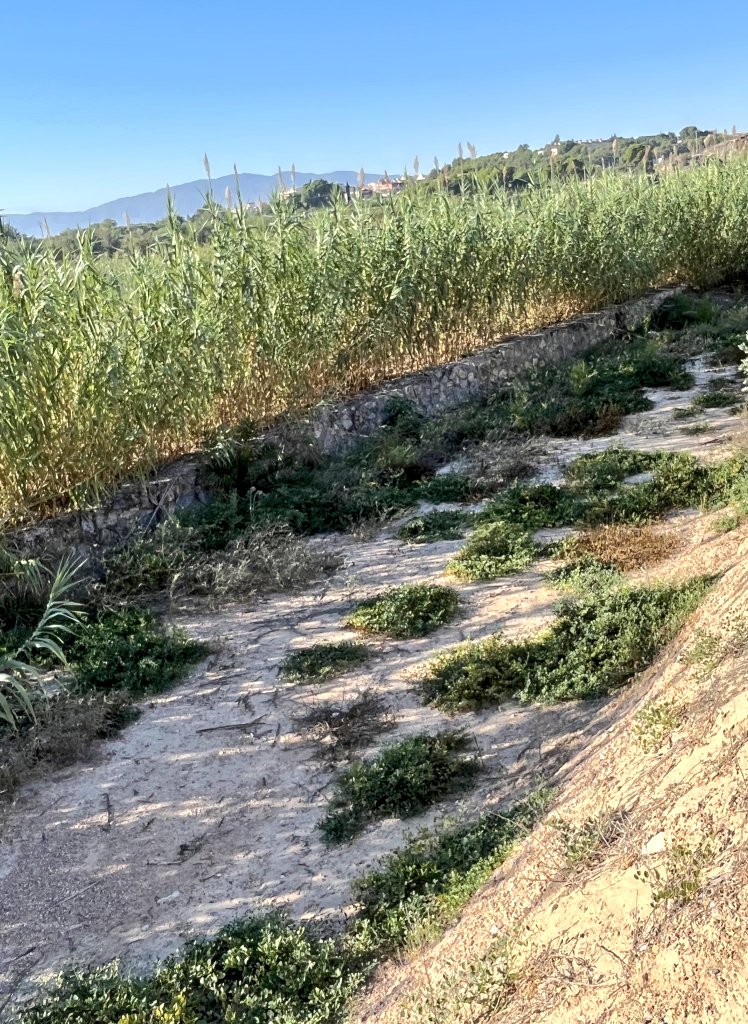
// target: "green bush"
[[603, 471], [321, 662], [585, 575], [404, 779], [495, 549], [395, 468], [598, 641], [590, 396], [270, 969], [593, 495], [435, 526], [129, 650], [716, 400], [679, 481], [683, 311], [534, 506], [264, 970], [423, 885], [413, 609], [447, 487]]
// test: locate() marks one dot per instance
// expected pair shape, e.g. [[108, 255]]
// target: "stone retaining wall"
[[137, 506], [337, 424]]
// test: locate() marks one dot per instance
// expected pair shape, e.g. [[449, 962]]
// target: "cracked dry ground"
[[206, 808]]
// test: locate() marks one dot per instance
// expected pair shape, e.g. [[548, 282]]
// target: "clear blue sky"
[[106, 99]]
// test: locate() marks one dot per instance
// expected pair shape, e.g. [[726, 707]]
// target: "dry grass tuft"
[[501, 461], [588, 842], [626, 547], [342, 727], [267, 560], [65, 730], [274, 559]]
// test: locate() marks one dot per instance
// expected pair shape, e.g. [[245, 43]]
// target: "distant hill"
[[189, 197], [581, 158]]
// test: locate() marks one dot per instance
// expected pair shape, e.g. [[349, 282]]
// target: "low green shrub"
[[435, 526], [264, 970], [404, 779], [604, 471], [597, 643], [716, 400], [590, 396], [678, 481], [724, 335], [685, 412], [728, 522], [272, 970], [683, 311], [320, 662], [585, 575], [413, 609], [446, 487], [129, 650], [588, 842], [594, 496], [534, 506], [494, 549], [420, 887], [654, 722], [396, 467]]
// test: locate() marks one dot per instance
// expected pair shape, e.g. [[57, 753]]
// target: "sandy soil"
[[206, 808], [616, 939]]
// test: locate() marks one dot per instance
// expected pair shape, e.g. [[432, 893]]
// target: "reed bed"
[[113, 366]]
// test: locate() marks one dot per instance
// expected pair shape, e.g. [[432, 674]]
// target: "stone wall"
[[138, 505], [337, 424], [134, 508]]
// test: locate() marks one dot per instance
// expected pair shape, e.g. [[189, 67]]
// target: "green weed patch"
[[420, 888], [271, 969], [682, 311], [585, 576], [413, 609], [534, 506], [597, 643], [589, 397], [404, 779], [494, 549], [395, 468], [434, 526], [129, 650], [321, 662], [262, 970]]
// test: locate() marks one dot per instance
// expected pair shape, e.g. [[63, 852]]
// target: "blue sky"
[[107, 99]]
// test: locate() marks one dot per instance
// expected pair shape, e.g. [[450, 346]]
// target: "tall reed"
[[111, 366]]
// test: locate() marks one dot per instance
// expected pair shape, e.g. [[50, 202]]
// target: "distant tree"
[[634, 153], [315, 194], [8, 232], [690, 133]]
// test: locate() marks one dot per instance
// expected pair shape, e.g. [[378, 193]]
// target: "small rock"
[[171, 897], [638, 478], [655, 845]]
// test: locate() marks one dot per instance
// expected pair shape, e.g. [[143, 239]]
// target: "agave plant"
[[20, 677]]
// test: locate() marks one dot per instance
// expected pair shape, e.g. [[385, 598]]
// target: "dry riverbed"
[[206, 808]]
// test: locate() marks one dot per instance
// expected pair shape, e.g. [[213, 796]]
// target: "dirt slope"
[[646, 921]]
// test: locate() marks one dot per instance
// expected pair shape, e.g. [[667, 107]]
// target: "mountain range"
[[189, 197]]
